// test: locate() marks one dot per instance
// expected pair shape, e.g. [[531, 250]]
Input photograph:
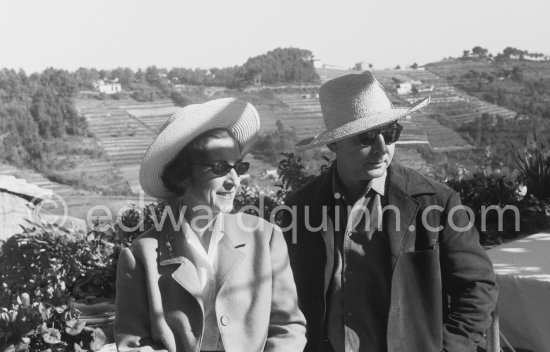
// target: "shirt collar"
[[377, 184]]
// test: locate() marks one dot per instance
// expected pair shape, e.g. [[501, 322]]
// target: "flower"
[[52, 336]]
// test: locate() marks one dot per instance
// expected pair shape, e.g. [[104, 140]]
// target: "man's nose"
[[379, 145]]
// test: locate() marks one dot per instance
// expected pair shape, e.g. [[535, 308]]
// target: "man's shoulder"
[[303, 194], [416, 184]]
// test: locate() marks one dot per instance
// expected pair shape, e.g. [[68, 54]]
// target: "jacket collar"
[[400, 222], [172, 250]]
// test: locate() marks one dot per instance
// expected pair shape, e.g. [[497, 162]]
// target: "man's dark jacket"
[[443, 287]]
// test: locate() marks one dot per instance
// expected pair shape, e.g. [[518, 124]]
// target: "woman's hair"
[[179, 168]]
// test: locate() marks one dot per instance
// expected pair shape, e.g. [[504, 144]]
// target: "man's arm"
[[468, 280]]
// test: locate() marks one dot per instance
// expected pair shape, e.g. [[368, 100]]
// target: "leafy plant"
[[293, 174], [534, 164], [51, 263], [37, 326]]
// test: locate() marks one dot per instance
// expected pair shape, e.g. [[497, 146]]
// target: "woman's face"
[[206, 189]]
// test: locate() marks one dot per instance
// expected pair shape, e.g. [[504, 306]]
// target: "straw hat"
[[240, 118], [353, 104]]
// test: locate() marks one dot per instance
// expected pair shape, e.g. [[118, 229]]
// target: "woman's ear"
[[185, 183]]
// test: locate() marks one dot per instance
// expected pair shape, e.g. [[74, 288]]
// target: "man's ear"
[[332, 147]]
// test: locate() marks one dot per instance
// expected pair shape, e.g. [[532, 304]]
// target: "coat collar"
[[403, 187], [173, 251]]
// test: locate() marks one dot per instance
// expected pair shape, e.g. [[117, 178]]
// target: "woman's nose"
[[232, 180]]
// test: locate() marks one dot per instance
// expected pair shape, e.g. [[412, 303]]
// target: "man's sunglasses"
[[222, 168], [390, 134]]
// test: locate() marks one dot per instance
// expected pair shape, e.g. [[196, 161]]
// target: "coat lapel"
[[400, 225], [172, 251], [231, 249]]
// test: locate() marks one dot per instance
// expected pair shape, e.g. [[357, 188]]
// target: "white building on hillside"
[[107, 87], [404, 88], [363, 66], [317, 63]]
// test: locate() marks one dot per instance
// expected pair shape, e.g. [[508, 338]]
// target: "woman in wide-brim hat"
[[204, 278]]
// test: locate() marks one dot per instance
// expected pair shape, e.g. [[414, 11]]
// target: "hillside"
[[519, 86], [123, 128]]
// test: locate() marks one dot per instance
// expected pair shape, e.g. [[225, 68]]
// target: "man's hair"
[[180, 168]]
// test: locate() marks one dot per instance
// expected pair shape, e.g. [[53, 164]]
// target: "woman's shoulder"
[[145, 243], [248, 224], [248, 219]]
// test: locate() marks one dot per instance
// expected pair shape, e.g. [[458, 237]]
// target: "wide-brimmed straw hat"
[[238, 117], [353, 104]]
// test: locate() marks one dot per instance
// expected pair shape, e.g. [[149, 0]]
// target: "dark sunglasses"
[[222, 168], [390, 134]]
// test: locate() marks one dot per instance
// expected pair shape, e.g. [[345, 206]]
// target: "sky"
[[105, 34]]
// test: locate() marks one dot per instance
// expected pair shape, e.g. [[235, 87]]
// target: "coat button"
[[224, 320]]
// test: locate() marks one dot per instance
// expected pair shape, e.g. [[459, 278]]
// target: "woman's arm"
[[132, 326], [287, 325]]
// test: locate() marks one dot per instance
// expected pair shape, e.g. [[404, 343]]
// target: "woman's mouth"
[[227, 195]]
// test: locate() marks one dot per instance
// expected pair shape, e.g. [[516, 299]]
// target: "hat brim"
[[361, 125], [240, 118]]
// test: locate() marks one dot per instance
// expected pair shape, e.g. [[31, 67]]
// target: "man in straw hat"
[[384, 258]]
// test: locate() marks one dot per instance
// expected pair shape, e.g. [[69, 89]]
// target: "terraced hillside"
[[447, 102], [125, 129], [78, 203], [305, 115], [445, 98]]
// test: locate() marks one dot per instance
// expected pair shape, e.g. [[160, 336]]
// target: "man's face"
[[360, 161]]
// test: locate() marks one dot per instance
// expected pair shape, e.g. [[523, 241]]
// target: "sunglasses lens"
[[241, 168], [220, 169], [367, 138], [391, 135]]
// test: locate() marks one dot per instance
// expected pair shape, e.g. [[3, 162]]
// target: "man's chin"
[[377, 171]]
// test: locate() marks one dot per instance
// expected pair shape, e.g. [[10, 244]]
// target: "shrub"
[[34, 326], [52, 263], [269, 145], [534, 164]]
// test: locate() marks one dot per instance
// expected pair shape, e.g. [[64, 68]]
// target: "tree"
[[509, 51], [86, 77], [414, 66], [282, 65], [125, 76], [479, 51]]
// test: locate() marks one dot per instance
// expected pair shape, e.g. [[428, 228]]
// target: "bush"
[[502, 189], [52, 263], [270, 145], [34, 326], [534, 164]]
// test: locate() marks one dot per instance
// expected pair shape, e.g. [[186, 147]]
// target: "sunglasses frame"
[[214, 164], [393, 132]]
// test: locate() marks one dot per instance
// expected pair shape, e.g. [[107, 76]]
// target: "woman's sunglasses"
[[222, 168], [390, 134]]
